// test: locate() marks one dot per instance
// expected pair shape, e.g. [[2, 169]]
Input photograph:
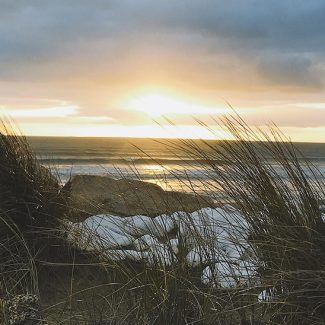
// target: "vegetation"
[[286, 244], [286, 228]]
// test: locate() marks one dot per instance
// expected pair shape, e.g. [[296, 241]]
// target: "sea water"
[[163, 162]]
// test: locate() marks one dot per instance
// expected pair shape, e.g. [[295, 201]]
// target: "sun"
[[156, 104]]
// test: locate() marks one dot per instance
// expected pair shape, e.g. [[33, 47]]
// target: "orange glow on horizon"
[[130, 131], [144, 113]]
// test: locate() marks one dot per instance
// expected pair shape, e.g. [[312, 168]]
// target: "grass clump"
[[280, 194], [28, 192], [30, 208]]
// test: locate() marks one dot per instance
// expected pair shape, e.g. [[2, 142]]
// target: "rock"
[[214, 241], [145, 242], [23, 309], [90, 195]]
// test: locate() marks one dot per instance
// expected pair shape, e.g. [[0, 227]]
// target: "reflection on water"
[[171, 177], [156, 162]]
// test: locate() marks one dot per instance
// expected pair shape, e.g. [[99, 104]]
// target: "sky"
[[120, 67]]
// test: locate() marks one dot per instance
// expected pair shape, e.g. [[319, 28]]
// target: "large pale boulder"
[[90, 195]]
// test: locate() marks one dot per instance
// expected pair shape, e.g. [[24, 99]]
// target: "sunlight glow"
[[96, 118], [159, 105]]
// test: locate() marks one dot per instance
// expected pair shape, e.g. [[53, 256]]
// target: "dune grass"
[[285, 246], [286, 228], [30, 207]]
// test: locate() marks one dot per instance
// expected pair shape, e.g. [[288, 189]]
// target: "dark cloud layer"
[[38, 32], [291, 70]]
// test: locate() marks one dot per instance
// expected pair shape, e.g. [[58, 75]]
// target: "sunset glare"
[[159, 105], [125, 68]]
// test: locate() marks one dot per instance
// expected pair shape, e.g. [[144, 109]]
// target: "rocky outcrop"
[[90, 195]]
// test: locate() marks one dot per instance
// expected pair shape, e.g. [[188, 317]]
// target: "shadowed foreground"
[[258, 260]]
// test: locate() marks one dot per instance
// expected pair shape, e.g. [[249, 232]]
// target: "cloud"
[[91, 52], [96, 119], [48, 112], [299, 115], [290, 70], [38, 38]]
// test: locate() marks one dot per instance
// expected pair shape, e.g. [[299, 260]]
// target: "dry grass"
[[30, 207], [287, 231], [286, 237]]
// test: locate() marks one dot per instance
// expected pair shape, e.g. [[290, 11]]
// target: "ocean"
[[156, 161]]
